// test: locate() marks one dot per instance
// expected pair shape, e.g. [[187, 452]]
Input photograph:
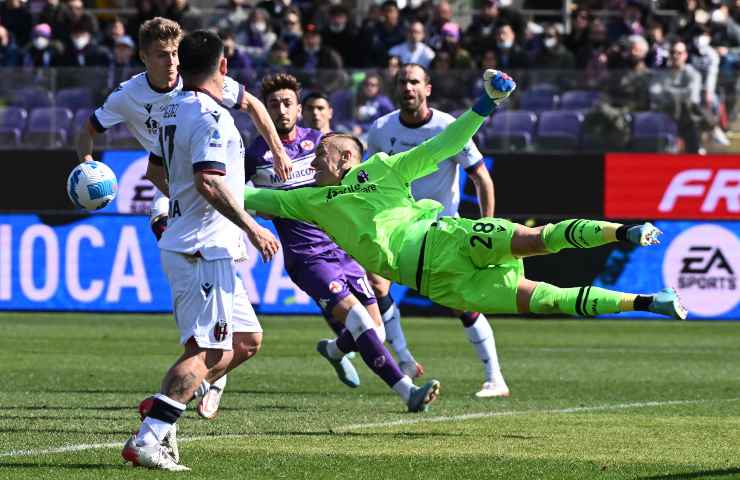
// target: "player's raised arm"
[[423, 159], [265, 126]]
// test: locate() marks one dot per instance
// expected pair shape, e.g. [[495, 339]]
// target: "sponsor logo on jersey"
[[215, 140], [672, 186], [702, 264], [206, 287], [343, 190], [335, 287]]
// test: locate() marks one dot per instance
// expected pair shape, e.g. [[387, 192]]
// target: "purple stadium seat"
[[32, 97], [12, 124], [653, 132], [119, 136], [510, 130], [49, 127], [544, 87], [538, 100], [579, 99], [559, 130], [74, 98], [80, 121]]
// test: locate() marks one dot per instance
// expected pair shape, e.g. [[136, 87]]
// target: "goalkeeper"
[[368, 210]]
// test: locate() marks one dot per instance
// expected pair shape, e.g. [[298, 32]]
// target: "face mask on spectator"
[[719, 16], [505, 45], [81, 41], [40, 43], [311, 50], [337, 27], [259, 27], [550, 42]]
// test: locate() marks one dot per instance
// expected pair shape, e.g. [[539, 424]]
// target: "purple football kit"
[[313, 261]]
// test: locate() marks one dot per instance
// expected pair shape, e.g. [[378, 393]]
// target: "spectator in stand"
[[125, 63], [52, 14], [422, 10], [189, 17], [660, 47], [342, 36], [388, 74], [370, 103], [631, 89], [317, 112], [258, 36], [74, 14], [113, 31], [16, 18], [629, 23], [726, 39], [239, 64], [510, 56], [291, 30], [144, 11], [482, 31], [553, 55], [278, 60], [82, 51], [578, 36], [679, 95], [386, 34], [274, 10], [414, 50], [451, 88], [43, 52], [460, 59], [442, 16], [321, 66], [235, 13], [705, 59], [10, 56]]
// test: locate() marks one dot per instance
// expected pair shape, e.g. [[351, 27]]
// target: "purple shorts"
[[331, 276]]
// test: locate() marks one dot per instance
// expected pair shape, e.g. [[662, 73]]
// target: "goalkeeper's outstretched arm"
[[423, 159]]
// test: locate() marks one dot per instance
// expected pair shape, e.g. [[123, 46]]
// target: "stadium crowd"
[[682, 64]]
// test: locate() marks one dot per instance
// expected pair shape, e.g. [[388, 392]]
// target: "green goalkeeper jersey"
[[372, 214]]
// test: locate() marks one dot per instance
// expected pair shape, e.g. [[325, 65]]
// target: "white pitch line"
[[359, 426]]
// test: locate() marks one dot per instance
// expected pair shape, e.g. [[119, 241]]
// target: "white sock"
[[333, 350], [220, 383], [404, 387], [152, 431], [380, 332], [481, 337], [394, 333], [358, 321]]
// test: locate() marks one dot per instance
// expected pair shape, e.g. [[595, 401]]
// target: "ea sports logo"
[[702, 264]]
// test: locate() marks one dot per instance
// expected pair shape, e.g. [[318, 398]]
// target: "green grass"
[[578, 408]]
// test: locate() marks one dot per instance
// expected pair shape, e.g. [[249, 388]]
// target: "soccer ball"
[[92, 185]]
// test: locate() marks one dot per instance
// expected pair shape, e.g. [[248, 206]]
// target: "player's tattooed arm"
[[217, 193], [257, 111]]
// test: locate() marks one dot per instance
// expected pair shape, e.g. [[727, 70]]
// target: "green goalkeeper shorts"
[[468, 265]]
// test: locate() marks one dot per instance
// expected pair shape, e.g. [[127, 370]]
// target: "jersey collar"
[[416, 125], [205, 92], [161, 90]]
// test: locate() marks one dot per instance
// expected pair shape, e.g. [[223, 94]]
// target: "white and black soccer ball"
[[92, 185]]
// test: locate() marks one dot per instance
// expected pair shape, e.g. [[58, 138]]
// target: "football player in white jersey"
[[199, 164], [402, 130], [139, 103]]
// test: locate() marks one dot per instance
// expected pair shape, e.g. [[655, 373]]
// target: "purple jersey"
[[299, 239]]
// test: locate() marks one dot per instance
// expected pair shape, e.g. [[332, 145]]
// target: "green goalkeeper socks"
[[584, 301], [578, 234]]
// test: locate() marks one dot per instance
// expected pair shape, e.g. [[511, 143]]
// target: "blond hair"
[[159, 29]]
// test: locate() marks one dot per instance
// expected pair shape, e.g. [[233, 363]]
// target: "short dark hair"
[[389, 4], [427, 76], [199, 52], [279, 81], [315, 96]]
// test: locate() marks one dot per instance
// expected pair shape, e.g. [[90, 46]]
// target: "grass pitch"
[[590, 399]]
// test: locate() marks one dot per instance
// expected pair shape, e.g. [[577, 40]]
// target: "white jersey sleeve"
[[233, 93], [207, 146], [469, 157], [112, 112]]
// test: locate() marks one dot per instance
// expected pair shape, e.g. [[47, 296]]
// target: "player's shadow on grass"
[[69, 466], [698, 474]]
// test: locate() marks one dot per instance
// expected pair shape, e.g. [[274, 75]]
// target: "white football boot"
[[153, 456]]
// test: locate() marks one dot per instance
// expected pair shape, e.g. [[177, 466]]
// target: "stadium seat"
[[79, 122], [579, 99], [48, 127], [119, 136], [74, 98], [510, 131], [32, 97], [544, 87], [12, 124], [559, 130], [538, 100], [653, 132]]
